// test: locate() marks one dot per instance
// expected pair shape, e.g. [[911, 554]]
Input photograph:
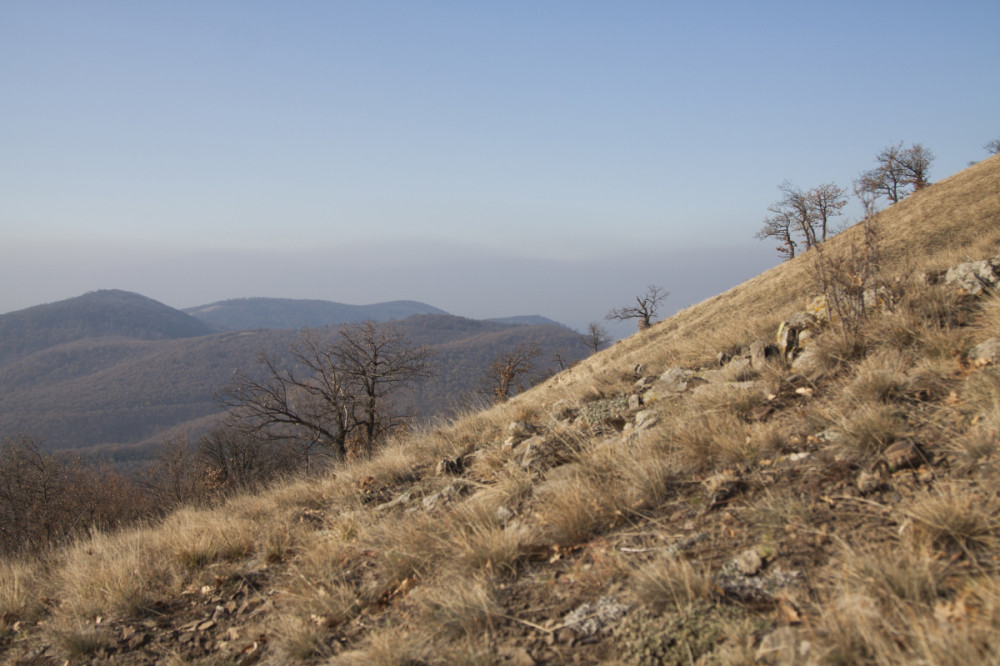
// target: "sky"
[[489, 158]]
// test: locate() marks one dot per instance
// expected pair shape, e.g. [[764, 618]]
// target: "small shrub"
[[870, 429], [958, 520], [669, 582]]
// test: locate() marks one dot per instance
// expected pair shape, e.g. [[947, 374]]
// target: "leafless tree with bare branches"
[[898, 172], [508, 372], [596, 337], [644, 309], [337, 390]]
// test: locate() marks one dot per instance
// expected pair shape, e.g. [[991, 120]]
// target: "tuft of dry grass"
[[957, 519], [20, 584], [121, 574], [702, 440], [458, 607], [880, 378], [869, 429], [669, 582]]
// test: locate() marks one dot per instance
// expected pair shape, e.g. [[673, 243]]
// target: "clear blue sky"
[[490, 158]]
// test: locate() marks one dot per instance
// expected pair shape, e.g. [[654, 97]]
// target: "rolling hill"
[[242, 314], [697, 493], [114, 373]]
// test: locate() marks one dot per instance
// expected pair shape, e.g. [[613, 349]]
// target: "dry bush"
[[458, 607], [21, 586], [480, 544], [391, 646], [833, 352], [981, 395], [879, 378], [669, 582], [80, 641], [120, 575], [196, 538], [958, 520], [901, 603], [725, 398], [976, 444], [781, 509], [299, 638], [48, 500], [410, 546], [575, 505], [869, 429], [702, 441]]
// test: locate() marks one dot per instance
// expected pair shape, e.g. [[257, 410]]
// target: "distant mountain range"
[[116, 372], [245, 314], [109, 312]]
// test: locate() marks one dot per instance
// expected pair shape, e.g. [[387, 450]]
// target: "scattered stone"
[[761, 353], [678, 380], [985, 353], [634, 402], [517, 656], [440, 497], [644, 384], [789, 333], [645, 419], [518, 431], [748, 562], [589, 618], [450, 467], [974, 277], [870, 481], [783, 647], [904, 455], [398, 501]]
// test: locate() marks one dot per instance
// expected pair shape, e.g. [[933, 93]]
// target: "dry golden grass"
[[669, 582], [428, 584], [121, 574], [20, 590]]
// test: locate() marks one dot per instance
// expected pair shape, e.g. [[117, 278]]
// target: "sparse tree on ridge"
[[897, 170], [993, 147], [508, 371], [596, 337], [802, 213], [644, 309]]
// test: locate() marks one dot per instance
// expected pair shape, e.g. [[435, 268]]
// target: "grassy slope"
[[733, 529]]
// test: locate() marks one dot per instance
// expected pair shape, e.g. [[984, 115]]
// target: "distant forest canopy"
[[111, 373]]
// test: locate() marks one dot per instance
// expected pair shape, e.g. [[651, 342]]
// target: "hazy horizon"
[[461, 281], [486, 159]]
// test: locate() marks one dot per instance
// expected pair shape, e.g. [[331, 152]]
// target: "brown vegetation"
[[842, 513]]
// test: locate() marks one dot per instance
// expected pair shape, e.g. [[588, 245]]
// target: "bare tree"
[[596, 337], [508, 371], [644, 309], [176, 477], [309, 402], [338, 390], [230, 460], [48, 499], [993, 147], [897, 170], [780, 226], [825, 202], [377, 363], [805, 213]]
